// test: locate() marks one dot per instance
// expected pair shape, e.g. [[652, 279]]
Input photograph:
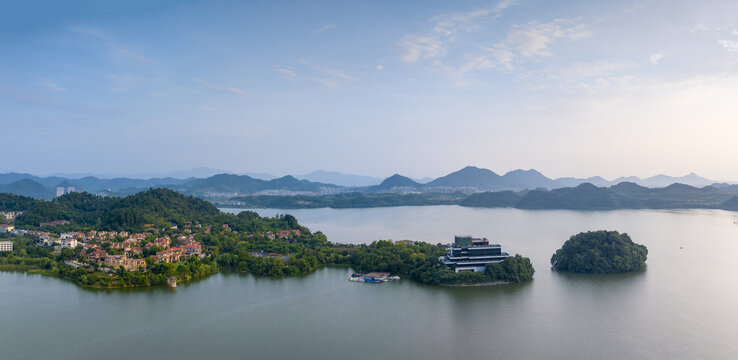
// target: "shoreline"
[[493, 283]]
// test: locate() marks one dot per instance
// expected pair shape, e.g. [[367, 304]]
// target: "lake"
[[683, 305]]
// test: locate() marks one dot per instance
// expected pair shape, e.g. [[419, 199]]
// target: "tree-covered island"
[[600, 252], [420, 262], [150, 237]]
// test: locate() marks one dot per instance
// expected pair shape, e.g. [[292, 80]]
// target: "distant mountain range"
[[468, 180], [243, 184], [332, 177]]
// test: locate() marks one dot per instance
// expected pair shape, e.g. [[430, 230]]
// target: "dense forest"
[[155, 208], [600, 252]]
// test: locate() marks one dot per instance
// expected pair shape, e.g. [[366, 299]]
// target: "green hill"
[[28, 187], [584, 196], [600, 252], [492, 199], [159, 207], [626, 195]]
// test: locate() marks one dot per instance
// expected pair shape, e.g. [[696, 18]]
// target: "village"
[[110, 251]]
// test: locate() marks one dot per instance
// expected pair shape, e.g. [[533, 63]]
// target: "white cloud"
[[333, 73], [534, 40], [288, 74], [51, 85], [323, 28], [527, 42], [432, 43], [330, 83], [587, 77], [115, 47], [655, 58], [470, 63], [730, 45], [699, 28], [227, 89], [503, 56], [325, 76], [380, 67], [419, 47], [122, 82]]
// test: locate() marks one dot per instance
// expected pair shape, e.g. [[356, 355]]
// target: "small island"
[[431, 265], [600, 252]]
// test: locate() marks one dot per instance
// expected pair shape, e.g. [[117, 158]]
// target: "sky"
[[422, 88]]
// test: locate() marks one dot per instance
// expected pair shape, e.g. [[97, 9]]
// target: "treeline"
[[346, 200], [420, 261], [625, 195], [160, 208], [296, 255]]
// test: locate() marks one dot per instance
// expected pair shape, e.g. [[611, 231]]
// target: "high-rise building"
[[70, 189], [59, 191]]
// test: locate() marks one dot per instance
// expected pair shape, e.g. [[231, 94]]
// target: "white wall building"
[[6, 246], [68, 243]]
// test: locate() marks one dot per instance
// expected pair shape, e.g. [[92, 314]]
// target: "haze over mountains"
[[468, 180]]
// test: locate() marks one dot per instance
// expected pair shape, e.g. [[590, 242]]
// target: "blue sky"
[[571, 88]]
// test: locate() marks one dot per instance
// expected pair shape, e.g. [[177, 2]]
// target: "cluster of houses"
[[113, 250], [128, 247], [132, 247], [6, 228], [9, 216]]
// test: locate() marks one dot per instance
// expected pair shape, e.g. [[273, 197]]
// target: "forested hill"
[[625, 195], [157, 207]]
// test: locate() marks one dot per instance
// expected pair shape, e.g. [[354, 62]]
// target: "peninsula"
[[155, 237]]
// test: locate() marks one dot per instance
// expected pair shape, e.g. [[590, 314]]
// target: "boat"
[[372, 277]]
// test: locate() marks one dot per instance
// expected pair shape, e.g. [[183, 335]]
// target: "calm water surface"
[[684, 305]]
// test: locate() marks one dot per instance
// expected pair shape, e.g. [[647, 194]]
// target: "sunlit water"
[[684, 305]]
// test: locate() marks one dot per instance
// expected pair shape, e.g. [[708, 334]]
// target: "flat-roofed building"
[[472, 254], [6, 246]]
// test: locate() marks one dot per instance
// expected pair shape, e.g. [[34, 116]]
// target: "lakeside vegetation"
[[420, 262], [600, 252], [244, 242], [586, 196], [230, 240], [345, 200], [625, 195]]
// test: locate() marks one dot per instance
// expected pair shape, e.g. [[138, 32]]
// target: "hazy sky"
[[571, 88]]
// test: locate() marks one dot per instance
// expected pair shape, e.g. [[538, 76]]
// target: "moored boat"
[[373, 277]]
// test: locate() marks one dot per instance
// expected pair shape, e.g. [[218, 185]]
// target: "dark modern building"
[[472, 254]]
